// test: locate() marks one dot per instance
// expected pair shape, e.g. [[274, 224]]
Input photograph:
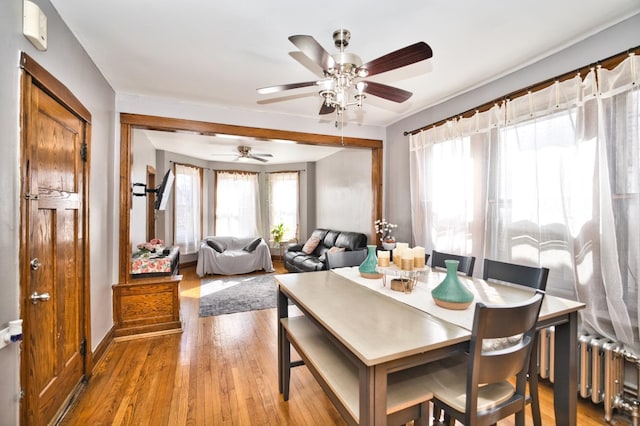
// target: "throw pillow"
[[333, 249], [216, 245], [252, 245], [311, 245]]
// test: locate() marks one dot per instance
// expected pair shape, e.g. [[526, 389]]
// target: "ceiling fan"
[[343, 85], [244, 153]]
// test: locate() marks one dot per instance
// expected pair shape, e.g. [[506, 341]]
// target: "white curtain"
[[560, 179], [237, 209], [447, 169], [188, 208], [284, 202]]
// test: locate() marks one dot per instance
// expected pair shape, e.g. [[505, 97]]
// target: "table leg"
[[283, 312], [286, 366], [373, 393], [565, 387]]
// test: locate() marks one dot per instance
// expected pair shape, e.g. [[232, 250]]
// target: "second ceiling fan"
[[344, 83], [244, 153]]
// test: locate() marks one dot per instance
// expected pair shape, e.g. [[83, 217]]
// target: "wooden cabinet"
[[147, 305]]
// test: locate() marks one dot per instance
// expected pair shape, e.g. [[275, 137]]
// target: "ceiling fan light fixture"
[[341, 86]]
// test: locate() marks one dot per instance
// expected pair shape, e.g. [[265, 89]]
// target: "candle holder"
[[405, 280]]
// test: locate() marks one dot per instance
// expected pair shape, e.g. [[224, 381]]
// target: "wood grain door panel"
[[54, 336]]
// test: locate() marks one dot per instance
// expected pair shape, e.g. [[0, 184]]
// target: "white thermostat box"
[[34, 25]]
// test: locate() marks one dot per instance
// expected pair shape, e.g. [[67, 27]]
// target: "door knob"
[[35, 264], [35, 297]]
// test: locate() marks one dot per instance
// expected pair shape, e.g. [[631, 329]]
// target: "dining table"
[[383, 331]]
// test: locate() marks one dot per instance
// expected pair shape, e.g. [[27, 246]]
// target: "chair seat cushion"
[[447, 380]]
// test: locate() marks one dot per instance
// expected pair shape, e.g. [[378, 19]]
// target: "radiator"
[[601, 372]]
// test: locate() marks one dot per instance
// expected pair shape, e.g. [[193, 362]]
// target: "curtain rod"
[[608, 63]]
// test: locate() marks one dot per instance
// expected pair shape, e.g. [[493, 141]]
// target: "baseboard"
[[189, 263], [102, 347]]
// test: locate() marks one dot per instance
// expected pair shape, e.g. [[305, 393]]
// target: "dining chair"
[[528, 276], [345, 259], [477, 388], [465, 264]]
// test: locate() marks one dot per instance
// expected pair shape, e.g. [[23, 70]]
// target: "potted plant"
[[278, 232], [385, 230]]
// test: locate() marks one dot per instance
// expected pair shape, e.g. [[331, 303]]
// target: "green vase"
[[451, 293], [368, 267]]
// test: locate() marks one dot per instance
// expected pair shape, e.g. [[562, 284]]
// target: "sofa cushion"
[[330, 239], [252, 245], [308, 263], [216, 245], [351, 240], [333, 249], [311, 244]]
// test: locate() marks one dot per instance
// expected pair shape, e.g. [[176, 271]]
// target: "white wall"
[[68, 62], [343, 191], [607, 43]]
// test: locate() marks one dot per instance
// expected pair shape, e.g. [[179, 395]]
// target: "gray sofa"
[[232, 255], [296, 260]]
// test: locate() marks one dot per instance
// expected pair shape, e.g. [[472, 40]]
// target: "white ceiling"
[[219, 53]]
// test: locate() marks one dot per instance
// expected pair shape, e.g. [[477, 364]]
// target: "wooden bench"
[[407, 396]]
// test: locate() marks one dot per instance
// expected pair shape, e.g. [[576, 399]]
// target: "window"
[[188, 208], [284, 202], [559, 173], [237, 208]]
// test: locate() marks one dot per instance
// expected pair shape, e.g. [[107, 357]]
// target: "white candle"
[[399, 253], [402, 245], [418, 257], [383, 258]]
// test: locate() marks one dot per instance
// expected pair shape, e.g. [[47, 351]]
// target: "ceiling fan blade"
[[386, 92], [310, 47], [406, 56], [282, 87], [326, 109], [255, 157], [263, 155]]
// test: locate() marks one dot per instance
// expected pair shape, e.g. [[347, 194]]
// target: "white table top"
[[375, 328], [374, 323], [483, 291]]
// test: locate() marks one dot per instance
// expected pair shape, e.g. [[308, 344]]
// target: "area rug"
[[219, 296]]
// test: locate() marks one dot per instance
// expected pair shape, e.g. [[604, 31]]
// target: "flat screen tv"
[[163, 191]]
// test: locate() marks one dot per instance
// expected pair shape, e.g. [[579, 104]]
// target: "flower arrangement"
[[146, 247], [157, 242], [385, 230], [151, 246]]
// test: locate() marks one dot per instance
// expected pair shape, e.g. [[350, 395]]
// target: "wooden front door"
[[52, 255]]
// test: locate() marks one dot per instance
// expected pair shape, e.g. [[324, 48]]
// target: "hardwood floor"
[[221, 370]]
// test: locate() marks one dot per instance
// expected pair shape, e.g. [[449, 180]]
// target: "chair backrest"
[[528, 276], [465, 264], [345, 258], [515, 323]]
